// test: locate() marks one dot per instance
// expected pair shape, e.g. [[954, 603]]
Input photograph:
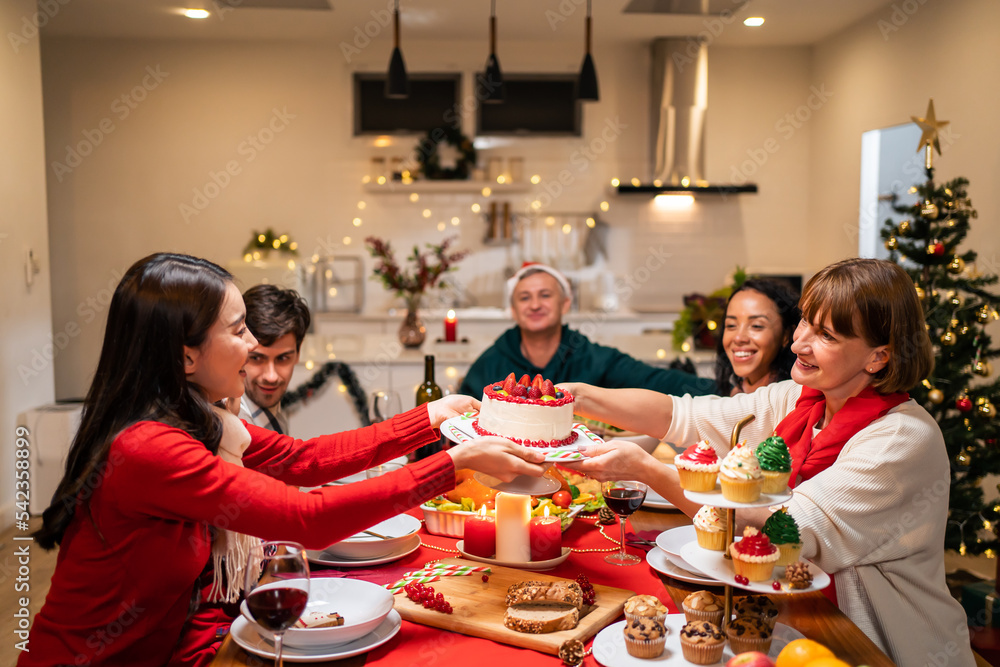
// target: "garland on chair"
[[308, 389]]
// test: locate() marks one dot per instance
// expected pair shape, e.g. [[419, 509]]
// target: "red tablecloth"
[[423, 646]]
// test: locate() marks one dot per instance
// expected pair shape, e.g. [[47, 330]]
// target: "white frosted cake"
[[533, 413]]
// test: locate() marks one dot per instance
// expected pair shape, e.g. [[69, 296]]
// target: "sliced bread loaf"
[[539, 618]]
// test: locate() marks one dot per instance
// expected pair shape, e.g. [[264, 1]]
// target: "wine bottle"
[[427, 392]]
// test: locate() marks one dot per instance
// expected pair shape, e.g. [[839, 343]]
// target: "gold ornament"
[[930, 126], [920, 292], [913, 188], [950, 222], [891, 243], [953, 324], [982, 368], [929, 210], [963, 459], [935, 396], [948, 338], [904, 228], [983, 315], [956, 265], [987, 410], [964, 330], [955, 299]]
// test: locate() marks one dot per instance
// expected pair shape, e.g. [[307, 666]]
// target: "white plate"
[[247, 637], [610, 651], [672, 540], [715, 499], [664, 563], [459, 429], [360, 476], [324, 558], [715, 564], [524, 484], [531, 565], [367, 546], [656, 501]]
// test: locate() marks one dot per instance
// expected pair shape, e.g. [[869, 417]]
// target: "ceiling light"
[[491, 81], [397, 84], [673, 202], [587, 85], [196, 13], [753, 21]]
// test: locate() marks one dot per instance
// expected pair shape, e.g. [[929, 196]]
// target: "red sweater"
[[126, 569]]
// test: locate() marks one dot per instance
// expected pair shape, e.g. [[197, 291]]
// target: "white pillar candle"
[[513, 520]]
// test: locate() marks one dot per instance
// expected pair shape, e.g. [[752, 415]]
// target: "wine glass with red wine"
[[623, 497], [277, 587]]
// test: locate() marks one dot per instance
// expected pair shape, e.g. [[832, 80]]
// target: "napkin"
[[641, 535]]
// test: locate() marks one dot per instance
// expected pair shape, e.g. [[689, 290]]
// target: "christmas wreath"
[[430, 161]]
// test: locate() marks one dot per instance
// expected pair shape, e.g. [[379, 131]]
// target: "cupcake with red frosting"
[[754, 556], [698, 467]]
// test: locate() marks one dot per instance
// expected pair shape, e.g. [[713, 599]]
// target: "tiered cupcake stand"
[[719, 566]]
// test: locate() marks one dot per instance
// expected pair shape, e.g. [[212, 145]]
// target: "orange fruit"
[[801, 652], [827, 662]]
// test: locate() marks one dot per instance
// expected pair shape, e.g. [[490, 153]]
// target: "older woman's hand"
[[613, 460], [450, 406]]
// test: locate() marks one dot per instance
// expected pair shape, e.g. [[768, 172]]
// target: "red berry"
[[519, 390], [534, 393], [776, 585], [525, 381], [548, 389], [486, 578]]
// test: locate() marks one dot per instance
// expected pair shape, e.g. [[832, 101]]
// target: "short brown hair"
[[874, 300], [273, 312]]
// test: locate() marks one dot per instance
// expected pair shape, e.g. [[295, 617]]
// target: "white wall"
[[122, 200], [25, 312], [881, 76]]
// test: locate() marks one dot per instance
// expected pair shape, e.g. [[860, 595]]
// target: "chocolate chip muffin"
[[702, 642], [703, 606], [757, 606], [645, 606], [749, 633], [645, 637]]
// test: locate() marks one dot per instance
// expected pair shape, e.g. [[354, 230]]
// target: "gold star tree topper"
[[930, 126]]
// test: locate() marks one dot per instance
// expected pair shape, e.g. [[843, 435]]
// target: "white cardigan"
[[876, 518]]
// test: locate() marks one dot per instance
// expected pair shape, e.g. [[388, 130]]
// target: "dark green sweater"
[[578, 360]]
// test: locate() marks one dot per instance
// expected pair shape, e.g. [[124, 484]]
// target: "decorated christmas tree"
[[958, 305]]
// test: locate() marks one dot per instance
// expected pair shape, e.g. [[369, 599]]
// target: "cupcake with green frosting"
[[775, 464], [783, 532]]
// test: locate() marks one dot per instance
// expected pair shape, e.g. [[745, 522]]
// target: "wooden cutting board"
[[479, 608]]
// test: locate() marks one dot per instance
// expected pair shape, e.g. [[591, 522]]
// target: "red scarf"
[[811, 456]]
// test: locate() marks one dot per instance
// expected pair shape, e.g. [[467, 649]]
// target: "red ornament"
[[938, 249], [964, 403]]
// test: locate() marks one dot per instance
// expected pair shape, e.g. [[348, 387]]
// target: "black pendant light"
[[491, 82], [587, 85], [397, 84]]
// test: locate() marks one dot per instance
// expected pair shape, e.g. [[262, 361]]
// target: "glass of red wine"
[[277, 587], [624, 498]]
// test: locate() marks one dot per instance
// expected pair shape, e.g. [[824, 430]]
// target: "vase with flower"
[[412, 283]]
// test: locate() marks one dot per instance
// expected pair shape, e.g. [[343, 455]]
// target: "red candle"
[[480, 535], [450, 326], [546, 537]]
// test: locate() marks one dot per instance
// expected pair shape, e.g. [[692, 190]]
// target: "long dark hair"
[[163, 303], [786, 302]]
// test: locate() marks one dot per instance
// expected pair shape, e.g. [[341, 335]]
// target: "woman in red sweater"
[[157, 473]]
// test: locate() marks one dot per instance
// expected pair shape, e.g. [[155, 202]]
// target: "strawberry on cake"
[[533, 413]]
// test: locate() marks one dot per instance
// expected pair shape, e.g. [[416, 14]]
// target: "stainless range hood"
[[679, 97]]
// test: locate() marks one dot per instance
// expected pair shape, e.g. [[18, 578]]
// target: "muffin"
[[775, 464], [702, 642], [747, 633], [757, 606], [740, 475], [703, 606], [645, 637], [645, 606], [710, 528], [754, 556], [698, 467], [783, 532]]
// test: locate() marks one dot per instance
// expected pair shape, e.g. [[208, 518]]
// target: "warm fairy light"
[[329, 274], [591, 222], [291, 265], [451, 371], [673, 202], [314, 258], [366, 179], [567, 228], [331, 356], [256, 254], [342, 389], [550, 221], [347, 240], [261, 238], [475, 207], [332, 291], [605, 206], [635, 181], [753, 21], [536, 204], [487, 192], [283, 238], [685, 181], [501, 179], [414, 197], [712, 325], [685, 346], [441, 226], [356, 222], [381, 180], [329, 347], [248, 257], [657, 182], [615, 182], [362, 204], [426, 213], [536, 179], [196, 13], [456, 221], [276, 244], [310, 365], [382, 141]]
